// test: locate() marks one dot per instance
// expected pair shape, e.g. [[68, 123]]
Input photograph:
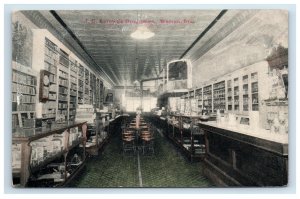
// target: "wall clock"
[[44, 86], [46, 80]]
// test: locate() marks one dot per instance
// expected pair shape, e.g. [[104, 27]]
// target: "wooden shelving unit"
[[240, 92], [92, 91], [63, 87], [198, 96], [51, 58], [80, 97], [229, 95], [236, 94], [87, 87], [55, 85], [254, 92], [219, 97], [208, 98], [245, 93], [71, 82], [97, 93], [24, 85], [73, 89]]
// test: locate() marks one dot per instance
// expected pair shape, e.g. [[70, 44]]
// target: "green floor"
[[166, 168]]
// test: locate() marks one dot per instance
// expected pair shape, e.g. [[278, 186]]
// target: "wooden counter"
[[244, 159], [109, 126]]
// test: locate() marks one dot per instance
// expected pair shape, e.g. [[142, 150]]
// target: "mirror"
[[177, 70]]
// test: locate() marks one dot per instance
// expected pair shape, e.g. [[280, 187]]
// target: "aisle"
[[166, 168]]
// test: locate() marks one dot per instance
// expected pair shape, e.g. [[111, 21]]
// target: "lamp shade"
[[142, 32]]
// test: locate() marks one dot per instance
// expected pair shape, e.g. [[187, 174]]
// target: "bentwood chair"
[[128, 140], [147, 141]]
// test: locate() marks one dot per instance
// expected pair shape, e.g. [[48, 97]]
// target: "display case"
[[100, 134], [35, 150], [187, 106], [193, 103], [184, 132]]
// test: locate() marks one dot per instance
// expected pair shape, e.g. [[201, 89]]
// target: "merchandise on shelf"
[[23, 96], [16, 156], [85, 113]]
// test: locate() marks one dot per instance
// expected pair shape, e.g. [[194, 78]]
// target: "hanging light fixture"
[[142, 32]]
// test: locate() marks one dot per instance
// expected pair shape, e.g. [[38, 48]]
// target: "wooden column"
[[25, 162], [65, 164], [66, 148], [84, 131], [180, 127]]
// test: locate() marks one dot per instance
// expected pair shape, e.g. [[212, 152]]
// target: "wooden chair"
[[128, 140], [144, 127], [147, 140], [131, 127]]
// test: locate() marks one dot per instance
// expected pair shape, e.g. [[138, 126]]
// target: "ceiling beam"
[[220, 15], [239, 19]]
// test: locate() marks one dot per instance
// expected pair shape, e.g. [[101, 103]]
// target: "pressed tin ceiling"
[[105, 35], [102, 38]]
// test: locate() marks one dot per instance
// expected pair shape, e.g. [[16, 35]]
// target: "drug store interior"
[[149, 98]]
